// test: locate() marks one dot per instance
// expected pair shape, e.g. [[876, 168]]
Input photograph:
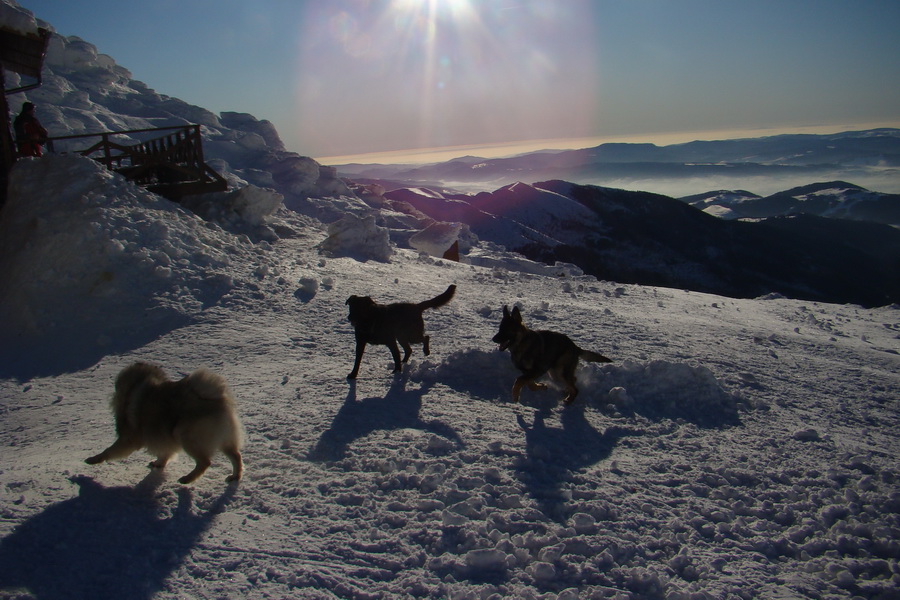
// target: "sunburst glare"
[[451, 72], [437, 40]]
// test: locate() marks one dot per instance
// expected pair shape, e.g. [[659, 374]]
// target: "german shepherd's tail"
[[592, 356], [439, 300]]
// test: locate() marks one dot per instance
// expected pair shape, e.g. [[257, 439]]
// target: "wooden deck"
[[170, 164]]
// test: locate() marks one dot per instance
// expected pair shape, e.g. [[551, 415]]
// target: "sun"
[[456, 10], [442, 46]]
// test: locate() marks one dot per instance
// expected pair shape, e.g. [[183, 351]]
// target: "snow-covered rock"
[[357, 237], [436, 239], [248, 205]]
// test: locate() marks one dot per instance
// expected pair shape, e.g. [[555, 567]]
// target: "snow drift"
[[117, 263]]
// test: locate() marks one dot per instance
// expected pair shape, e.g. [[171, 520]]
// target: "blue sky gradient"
[[342, 77]]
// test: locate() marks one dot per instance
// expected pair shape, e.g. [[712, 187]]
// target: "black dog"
[[390, 324], [537, 352]]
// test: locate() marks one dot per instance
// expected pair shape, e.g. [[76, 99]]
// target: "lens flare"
[[451, 72]]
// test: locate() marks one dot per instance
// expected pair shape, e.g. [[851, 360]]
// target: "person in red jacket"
[[30, 134]]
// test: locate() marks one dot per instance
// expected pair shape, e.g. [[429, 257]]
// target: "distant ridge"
[[833, 199], [650, 239], [870, 157]]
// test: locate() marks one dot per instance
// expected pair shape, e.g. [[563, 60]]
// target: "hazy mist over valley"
[[764, 165]]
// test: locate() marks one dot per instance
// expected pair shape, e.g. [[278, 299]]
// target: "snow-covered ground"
[[733, 449]]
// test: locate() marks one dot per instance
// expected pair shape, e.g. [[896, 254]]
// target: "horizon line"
[[512, 148]]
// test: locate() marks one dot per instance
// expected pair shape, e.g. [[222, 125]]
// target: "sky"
[[351, 77]]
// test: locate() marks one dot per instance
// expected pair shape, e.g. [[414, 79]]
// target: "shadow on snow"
[[106, 543], [554, 454], [78, 349], [399, 409]]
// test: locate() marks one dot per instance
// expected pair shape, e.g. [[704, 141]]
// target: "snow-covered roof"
[[23, 43]]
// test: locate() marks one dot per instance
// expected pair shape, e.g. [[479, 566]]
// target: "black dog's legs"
[[395, 353], [360, 348], [407, 351]]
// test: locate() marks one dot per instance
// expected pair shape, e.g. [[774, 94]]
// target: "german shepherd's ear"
[[516, 314], [505, 311]]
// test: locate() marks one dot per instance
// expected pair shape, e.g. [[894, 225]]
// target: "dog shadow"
[[554, 454], [399, 409], [106, 543], [486, 375]]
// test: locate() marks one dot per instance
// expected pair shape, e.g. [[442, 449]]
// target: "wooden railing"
[[171, 165]]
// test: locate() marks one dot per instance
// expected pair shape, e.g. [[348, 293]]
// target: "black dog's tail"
[[593, 356], [440, 300]]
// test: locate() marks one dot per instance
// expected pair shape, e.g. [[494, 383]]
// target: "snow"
[[722, 212], [112, 257], [358, 237], [15, 19], [724, 204], [840, 201], [513, 216], [733, 449], [437, 238]]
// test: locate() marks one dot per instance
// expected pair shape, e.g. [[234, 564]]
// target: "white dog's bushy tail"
[[207, 384]]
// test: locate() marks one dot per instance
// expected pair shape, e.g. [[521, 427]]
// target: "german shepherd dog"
[[195, 414], [537, 352], [390, 324]]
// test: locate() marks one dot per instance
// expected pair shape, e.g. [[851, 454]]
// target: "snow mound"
[[656, 389], [88, 258], [487, 375], [436, 239], [662, 389], [357, 237], [249, 205]]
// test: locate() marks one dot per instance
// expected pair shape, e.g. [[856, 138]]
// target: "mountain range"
[[642, 237], [832, 241], [618, 235], [870, 157], [835, 199]]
